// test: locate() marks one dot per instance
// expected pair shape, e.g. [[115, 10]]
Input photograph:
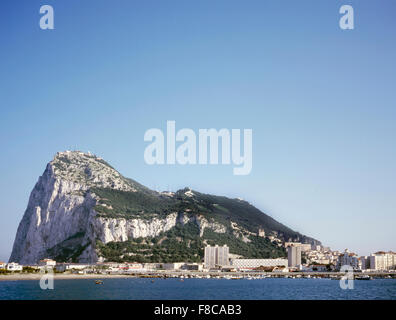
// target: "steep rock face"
[[121, 229], [80, 201], [60, 206], [61, 215]]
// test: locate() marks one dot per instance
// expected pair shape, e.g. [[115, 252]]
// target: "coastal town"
[[303, 260]]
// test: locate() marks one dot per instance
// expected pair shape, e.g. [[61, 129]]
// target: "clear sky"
[[320, 100]]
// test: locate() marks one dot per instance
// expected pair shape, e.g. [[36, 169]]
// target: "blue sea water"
[[196, 289]]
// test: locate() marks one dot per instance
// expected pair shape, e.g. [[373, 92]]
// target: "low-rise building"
[[173, 265], [151, 266], [3, 265], [131, 266], [47, 262], [193, 266], [318, 268], [13, 266], [250, 264], [62, 267]]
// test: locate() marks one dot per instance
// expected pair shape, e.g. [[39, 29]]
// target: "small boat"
[[98, 282], [365, 277]]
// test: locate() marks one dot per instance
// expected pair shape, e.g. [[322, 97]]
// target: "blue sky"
[[320, 100]]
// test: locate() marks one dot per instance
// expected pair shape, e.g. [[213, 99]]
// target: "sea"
[[199, 289]]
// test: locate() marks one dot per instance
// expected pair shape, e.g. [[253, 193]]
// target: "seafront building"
[[294, 256], [250, 264], [216, 256], [383, 260], [62, 267], [13, 266], [47, 262], [364, 263], [318, 258]]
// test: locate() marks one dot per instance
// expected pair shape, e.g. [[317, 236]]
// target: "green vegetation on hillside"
[[68, 250], [183, 243], [257, 248], [123, 204]]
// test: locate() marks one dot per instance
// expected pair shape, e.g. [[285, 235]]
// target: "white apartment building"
[[61, 267], [383, 260], [216, 256], [13, 266], [246, 264]]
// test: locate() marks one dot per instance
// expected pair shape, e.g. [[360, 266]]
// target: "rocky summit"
[[83, 210]]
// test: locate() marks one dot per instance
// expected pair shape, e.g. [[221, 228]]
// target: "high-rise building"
[[222, 256], [294, 256], [364, 262], [210, 257], [383, 260], [216, 256]]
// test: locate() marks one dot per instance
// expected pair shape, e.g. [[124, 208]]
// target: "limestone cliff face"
[[61, 216], [83, 210]]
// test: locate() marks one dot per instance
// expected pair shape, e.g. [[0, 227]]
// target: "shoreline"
[[37, 276], [202, 275]]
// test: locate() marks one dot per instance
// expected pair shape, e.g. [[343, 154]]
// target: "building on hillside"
[[216, 256], [349, 259], [294, 256], [3, 265], [316, 247], [289, 244], [250, 264], [304, 246], [261, 232]]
